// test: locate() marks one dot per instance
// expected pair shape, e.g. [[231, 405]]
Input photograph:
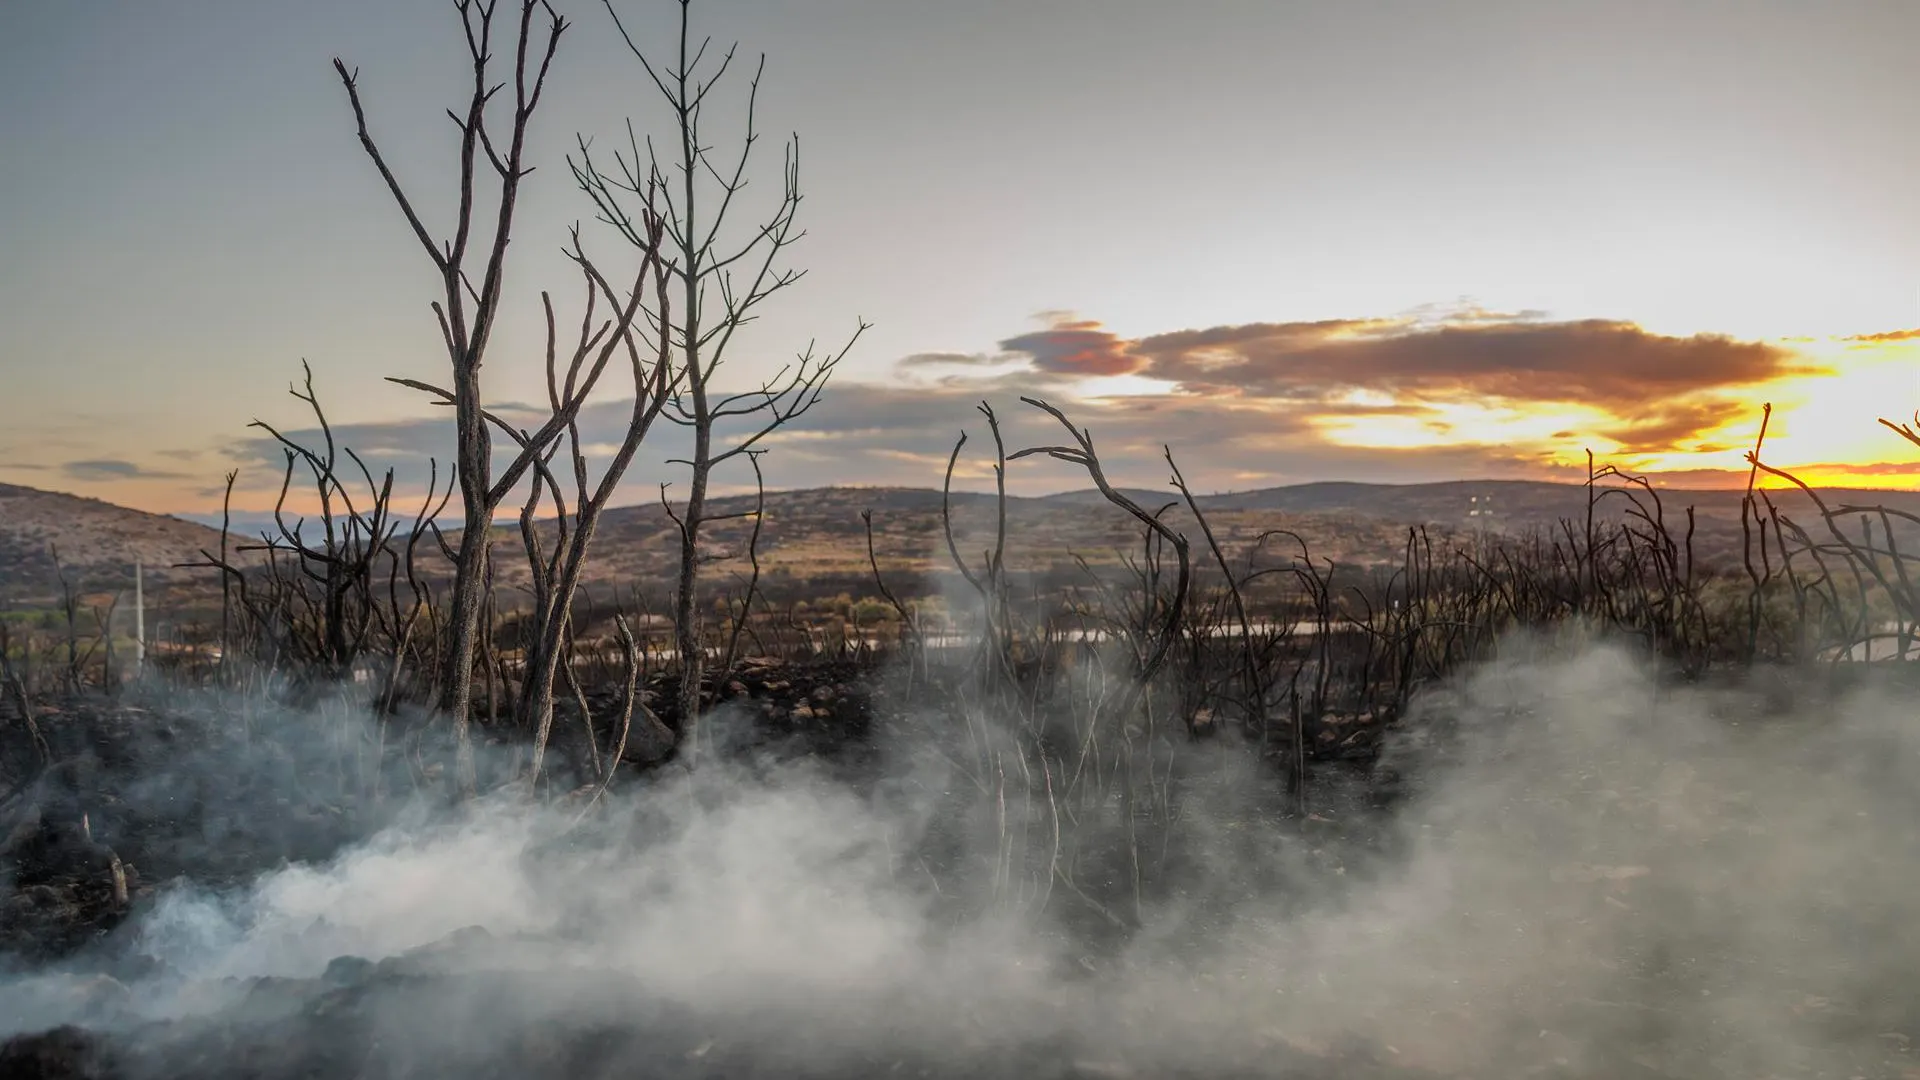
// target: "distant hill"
[[98, 544], [813, 542], [1529, 501]]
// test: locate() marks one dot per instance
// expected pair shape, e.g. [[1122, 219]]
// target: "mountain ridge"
[[818, 531]]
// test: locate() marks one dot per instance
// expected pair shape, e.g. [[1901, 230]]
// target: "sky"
[[1361, 240]]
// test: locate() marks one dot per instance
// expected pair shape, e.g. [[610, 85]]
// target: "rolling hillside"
[[813, 541], [97, 542]]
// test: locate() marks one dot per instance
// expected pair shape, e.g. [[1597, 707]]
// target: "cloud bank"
[[1432, 394]]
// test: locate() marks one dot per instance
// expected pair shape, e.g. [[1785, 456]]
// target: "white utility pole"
[[139, 619]]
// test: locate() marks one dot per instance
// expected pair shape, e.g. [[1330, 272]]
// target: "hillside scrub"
[[1047, 802]]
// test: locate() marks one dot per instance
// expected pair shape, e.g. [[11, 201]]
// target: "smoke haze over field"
[[1597, 876]]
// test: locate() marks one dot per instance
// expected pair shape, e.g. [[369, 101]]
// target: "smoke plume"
[[1594, 874]]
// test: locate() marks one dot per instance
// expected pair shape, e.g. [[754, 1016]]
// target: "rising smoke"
[[1596, 875]]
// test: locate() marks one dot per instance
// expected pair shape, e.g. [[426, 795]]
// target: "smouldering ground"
[[1594, 875]]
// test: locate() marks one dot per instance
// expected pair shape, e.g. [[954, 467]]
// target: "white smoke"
[[1599, 876]]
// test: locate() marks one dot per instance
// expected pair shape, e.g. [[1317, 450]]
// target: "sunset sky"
[[1296, 241]]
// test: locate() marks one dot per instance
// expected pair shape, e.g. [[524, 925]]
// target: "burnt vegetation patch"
[[1194, 799]]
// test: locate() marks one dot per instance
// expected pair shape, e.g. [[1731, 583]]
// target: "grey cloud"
[[891, 434], [950, 359], [115, 469]]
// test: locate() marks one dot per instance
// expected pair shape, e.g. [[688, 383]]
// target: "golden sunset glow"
[[1529, 395], [1441, 424], [1824, 427], [1823, 424]]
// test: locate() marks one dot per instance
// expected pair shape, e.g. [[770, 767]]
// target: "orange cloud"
[[1076, 347], [1665, 393], [1614, 365], [1871, 470], [1671, 426]]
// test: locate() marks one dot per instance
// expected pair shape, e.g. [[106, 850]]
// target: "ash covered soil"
[[412, 1016], [144, 799], [147, 792], [1593, 892], [151, 790]]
